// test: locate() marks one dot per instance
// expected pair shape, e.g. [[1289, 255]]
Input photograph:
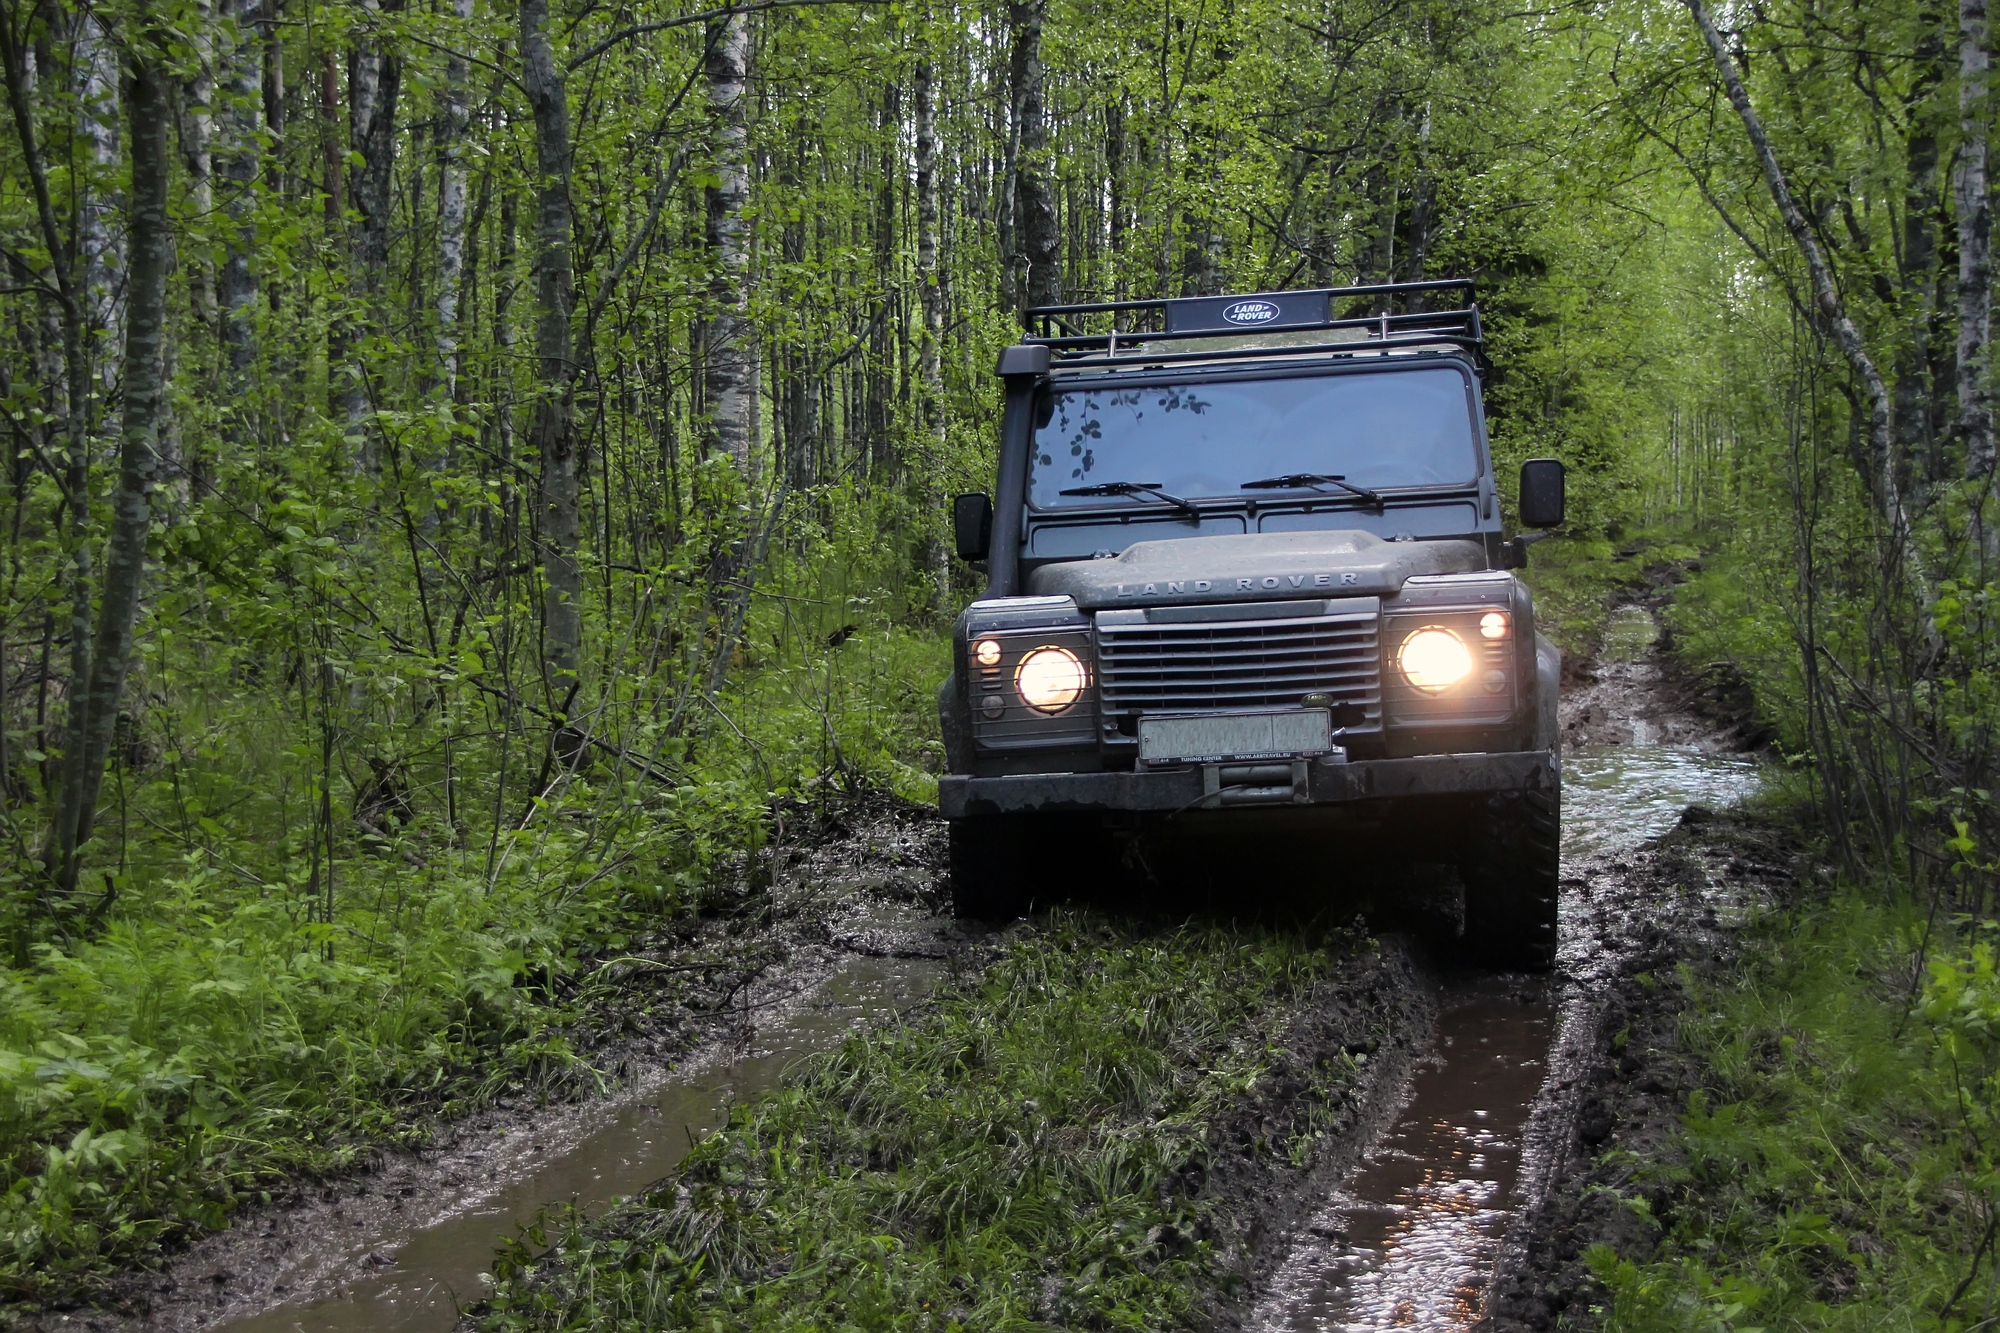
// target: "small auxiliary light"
[[1493, 625], [987, 652]]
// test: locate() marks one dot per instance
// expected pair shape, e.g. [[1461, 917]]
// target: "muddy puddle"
[[1619, 792], [1615, 797], [1404, 1243], [392, 1277], [1410, 1240]]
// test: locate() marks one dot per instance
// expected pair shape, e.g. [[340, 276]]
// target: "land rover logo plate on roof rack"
[[1251, 312], [1268, 310]]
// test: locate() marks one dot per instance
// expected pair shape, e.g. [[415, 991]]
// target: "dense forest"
[[469, 464]]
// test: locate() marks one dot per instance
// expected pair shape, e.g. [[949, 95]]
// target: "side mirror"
[[972, 525], [1541, 493]]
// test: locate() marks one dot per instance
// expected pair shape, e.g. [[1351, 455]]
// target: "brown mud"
[[1476, 1169], [1627, 1081], [1633, 919], [836, 922]]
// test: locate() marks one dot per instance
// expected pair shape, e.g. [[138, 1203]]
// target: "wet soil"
[[1401, 1242], [1611, 1123], [395, 1273], [835, 923], [1634, 916], [1480, 1156]]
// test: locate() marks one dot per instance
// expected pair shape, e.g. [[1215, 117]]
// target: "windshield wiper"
[[1149, 489], [1299, 480]]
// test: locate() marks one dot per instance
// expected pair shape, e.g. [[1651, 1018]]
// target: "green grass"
[[1839, 1170], [1029, 1154], [1577, 580], [231, 1027]]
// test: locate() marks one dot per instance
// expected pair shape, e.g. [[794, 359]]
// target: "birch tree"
[[552, 434]]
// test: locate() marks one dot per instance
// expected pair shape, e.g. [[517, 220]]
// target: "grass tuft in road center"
[[1032, 1151]]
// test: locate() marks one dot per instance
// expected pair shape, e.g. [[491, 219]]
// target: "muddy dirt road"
[[1412, 1239], [1460, 1172]]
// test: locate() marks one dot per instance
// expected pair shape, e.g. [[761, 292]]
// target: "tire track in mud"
[[844, 936], [1444, 1210]]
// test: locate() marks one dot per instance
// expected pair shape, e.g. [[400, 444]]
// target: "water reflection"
[[1617, 796], [1410, 1240], [1410, 1234], [411, 1280]]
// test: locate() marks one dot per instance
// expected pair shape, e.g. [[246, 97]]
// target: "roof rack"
[[1068, 332]]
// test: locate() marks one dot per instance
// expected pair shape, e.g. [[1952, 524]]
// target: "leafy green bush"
[[1839, 1171], [245, 1011]]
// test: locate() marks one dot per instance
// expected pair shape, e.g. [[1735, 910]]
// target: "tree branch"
[[1833, 311], [707, 15]]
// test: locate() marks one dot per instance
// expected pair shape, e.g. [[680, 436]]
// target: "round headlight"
[[1049, 679], [1493, 625], [987, 652], [1434, 659]]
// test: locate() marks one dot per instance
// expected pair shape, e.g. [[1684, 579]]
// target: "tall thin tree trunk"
[[143, 384], [930, 371], [270, 22], [1915, 430], [1119, 204], [374, 84], [67, 269], [1421, 202], [729, 356], [95, 62], [1832, 310], [197, 134], [332, 153], [241, 156], [504, 336], [553, 432], [451, 205], [1975, 275], [1006, 197], [799, 382], [1035, 212]]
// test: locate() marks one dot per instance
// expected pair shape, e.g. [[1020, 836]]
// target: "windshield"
[[1205, 439]]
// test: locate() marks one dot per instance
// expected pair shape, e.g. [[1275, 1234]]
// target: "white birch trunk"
[[239, 154], [100, 230], [729, 354], [451, 205]]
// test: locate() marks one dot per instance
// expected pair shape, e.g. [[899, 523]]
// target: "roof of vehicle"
[[1316, 321]]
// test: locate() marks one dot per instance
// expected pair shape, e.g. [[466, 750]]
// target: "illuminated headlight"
[[1434, 659], [1050, 679]]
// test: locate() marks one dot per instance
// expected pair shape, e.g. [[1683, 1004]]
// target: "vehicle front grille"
[[1245, 664]]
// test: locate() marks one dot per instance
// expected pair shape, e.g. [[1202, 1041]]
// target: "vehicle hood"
[[1253, 566]]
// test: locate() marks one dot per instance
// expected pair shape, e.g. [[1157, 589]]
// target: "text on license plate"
[[1216, 736]]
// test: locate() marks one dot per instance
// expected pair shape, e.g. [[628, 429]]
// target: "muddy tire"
[[1004, 865], [1510, 872]]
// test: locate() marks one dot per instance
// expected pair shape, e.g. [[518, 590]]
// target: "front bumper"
[[1301, 782]]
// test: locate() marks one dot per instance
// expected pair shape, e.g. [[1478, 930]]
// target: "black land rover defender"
[[1245, 564]]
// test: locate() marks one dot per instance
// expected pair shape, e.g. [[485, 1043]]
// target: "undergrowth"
[[243, 1015], [1030, 1153], [1839, 1169], [1577, 580]]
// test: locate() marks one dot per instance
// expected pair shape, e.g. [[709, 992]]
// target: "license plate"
[[1212, 737]]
